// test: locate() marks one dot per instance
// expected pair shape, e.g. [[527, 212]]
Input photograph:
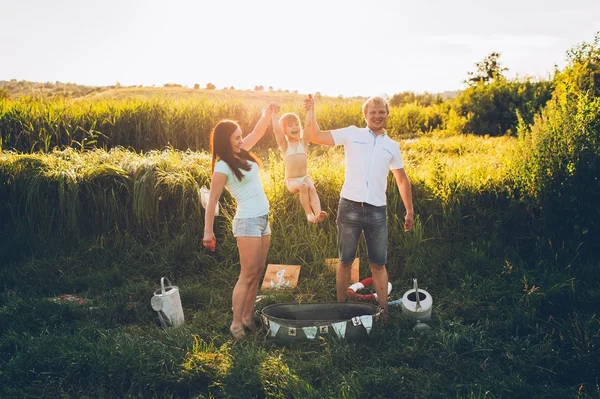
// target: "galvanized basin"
[[300, 321]]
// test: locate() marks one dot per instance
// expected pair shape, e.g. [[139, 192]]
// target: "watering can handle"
[[416, 287], [162, 284]]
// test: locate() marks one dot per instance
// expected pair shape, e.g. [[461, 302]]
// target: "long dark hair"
[[220, 146]]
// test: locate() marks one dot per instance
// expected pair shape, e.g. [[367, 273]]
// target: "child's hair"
[[285, 118], [375, 100], [220, 146]]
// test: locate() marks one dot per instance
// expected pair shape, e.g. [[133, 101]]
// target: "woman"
[[236, 169]]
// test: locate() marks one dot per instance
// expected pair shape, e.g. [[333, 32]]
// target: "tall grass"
[[32, 124], [507, 321]]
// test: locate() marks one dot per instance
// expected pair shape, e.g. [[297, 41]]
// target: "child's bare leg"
[[302, 189], [315, 202]]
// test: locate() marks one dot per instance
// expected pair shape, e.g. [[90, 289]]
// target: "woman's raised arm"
[[261, 127]]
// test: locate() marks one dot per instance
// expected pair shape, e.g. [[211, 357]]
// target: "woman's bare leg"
[[248, 313], [250, 249]]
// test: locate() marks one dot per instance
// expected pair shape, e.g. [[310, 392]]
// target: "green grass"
[[512, 318], [149, 119]]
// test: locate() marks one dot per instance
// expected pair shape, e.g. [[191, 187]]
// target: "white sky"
[[348, 47]]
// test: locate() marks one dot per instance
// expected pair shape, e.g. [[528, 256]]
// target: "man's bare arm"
[[406, 194], [317, 135]]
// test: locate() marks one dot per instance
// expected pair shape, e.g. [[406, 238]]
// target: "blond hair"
[[287, 117], [377, 101]]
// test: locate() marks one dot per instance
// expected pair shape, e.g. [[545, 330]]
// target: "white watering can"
[[204, 194], [417, 303], [167, 303]]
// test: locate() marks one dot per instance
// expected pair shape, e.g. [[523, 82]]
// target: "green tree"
[[210, 86], [407, 97], [399, 99], [487, 70]]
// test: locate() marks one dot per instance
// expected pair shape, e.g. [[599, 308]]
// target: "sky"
[[335, 47]]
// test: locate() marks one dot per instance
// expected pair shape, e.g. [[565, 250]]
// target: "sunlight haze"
[[336, 47]]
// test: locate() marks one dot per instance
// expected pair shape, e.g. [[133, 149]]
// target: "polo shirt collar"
[[374, 135]]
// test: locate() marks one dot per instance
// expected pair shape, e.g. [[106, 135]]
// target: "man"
[[369, 154]]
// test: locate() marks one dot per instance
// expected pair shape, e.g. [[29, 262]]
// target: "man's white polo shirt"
[[369, 158]]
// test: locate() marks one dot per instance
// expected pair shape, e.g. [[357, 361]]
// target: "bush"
[[494, 108], [558, 165], [583, 72], [413, 118]]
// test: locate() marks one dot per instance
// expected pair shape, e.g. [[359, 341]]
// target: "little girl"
[[293, 146]]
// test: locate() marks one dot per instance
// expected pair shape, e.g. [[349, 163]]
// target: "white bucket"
[[417, 306], [167, 303]]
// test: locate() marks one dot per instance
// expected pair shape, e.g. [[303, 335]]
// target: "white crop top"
[[249, 193]]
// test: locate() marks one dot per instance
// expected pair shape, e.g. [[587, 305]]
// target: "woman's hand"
[[209, 241], [271, 109]]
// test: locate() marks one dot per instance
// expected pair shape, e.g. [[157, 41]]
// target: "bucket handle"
[[162, 284], [416, 287]]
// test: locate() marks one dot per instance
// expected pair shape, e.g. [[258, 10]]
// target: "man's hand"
[[308, 103]]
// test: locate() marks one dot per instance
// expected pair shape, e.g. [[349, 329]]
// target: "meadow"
[[99, 198]]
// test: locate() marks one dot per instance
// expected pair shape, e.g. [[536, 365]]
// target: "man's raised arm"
[[317, 135]]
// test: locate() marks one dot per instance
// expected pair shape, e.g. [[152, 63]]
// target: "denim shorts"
[[252, 227], [356, 217]]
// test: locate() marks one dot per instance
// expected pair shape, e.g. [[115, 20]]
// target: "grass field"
[[512, 316], [248, 96]]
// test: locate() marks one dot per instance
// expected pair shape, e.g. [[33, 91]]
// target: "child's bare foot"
[[237, 332], [320, 217], [311, 218]]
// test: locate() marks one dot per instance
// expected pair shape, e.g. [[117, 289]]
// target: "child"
[[293, 146]]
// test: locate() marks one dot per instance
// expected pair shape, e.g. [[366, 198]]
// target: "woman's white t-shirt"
[[248, 192]]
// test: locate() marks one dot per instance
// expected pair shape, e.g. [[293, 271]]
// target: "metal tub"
[[301, 321]]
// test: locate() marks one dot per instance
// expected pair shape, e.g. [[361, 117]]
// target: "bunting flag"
[[310, 332], [274, 327], [367, 322], [340, 329]]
